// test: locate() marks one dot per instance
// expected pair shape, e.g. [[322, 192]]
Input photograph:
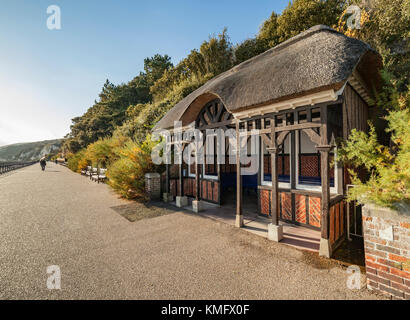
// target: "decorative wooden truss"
[[214, 115]]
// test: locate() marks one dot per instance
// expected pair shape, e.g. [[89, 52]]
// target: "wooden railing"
[[10, 166]]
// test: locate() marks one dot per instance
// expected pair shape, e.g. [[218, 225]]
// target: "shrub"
[[127, 174], [389, 168], [105, 151], [78, 161]]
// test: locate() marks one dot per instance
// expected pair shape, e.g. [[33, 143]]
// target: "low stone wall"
[[387, 249]]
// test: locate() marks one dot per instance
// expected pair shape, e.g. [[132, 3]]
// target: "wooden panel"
[[355, 112], [332, 224], [203, 190], [209, 190], [342, 218], [189, 187], [337, 221], [174, 187], [300, 208], [286, 206], [215, 193], [265, 199], [314, 211]]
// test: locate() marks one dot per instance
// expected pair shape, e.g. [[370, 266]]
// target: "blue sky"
[[48, 76]]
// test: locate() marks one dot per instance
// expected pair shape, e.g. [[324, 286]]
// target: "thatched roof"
[[317, 59]]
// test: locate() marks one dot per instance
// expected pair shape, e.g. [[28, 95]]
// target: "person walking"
[[43, 163]]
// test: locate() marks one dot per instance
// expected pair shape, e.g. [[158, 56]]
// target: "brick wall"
[[387, 250], [153, 185]]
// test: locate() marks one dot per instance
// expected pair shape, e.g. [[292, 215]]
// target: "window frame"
[[301, 186], [282, 185]]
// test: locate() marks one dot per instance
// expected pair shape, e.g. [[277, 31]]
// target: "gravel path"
[[60, 218]]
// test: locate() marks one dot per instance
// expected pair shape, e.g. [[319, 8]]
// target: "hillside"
[[29, 151]]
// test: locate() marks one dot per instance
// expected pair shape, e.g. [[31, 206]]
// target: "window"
[[210, 165], [308, 166], [283, 167]]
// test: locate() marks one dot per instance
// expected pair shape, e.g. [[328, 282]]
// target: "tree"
[[155, 67], [385, 25], [214, 57], [217, 54], [249, 48], [301, 15], [268, 33]]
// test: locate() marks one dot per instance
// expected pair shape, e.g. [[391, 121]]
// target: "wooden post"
[[324, 148], [239, 217], [275, 231], [181, 172], [273, 150], [167, 178], [274, 188], [168, 148], [324, 159], [197, 176]]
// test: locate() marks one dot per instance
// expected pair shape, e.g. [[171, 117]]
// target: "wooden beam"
[[217, 125], [266, 140], [181, 171], [300, 126], [314, 137], [282, 136], [197, 177], [324, 149], [181, 180], [238, 173], [167, 178], [273, 150]]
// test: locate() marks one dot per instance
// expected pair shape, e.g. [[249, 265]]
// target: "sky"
[[48, 77]]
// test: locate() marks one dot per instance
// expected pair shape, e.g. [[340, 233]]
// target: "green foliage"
[[105, 151], [214, 57], [217, 54], [78, 161], [250, 48], [301, 15], [385, 25], [155, 67], [269, 32], [389, 168], [127, 174]]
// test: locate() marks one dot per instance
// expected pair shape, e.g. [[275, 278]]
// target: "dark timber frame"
[[273, 128]]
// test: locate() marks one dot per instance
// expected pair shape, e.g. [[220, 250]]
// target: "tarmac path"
[[60, 218]]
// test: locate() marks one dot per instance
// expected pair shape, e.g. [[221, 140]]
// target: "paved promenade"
[[61, 218]]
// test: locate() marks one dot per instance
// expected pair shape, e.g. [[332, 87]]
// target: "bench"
[[98, 175], [85, 171]]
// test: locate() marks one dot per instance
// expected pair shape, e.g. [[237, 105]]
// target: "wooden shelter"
[[301, 96]]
